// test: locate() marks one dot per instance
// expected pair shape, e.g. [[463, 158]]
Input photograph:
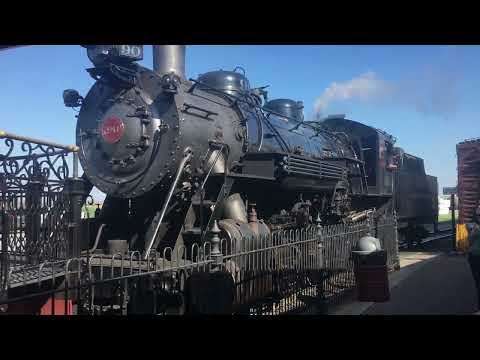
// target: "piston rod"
[[183, 163]]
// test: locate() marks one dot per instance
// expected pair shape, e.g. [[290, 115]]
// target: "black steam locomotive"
[[174, 155]]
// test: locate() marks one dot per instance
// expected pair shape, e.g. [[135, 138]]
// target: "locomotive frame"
[[180, 154]]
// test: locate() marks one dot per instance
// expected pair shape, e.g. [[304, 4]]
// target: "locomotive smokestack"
[[168, 58]]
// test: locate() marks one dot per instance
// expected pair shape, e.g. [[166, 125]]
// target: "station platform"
[[428, 283]]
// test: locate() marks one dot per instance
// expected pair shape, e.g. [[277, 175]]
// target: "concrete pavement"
[[428, 283]]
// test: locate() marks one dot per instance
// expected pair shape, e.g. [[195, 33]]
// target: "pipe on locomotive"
[[169, 58]]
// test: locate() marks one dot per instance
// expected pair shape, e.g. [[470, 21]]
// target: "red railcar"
[[468, 154]]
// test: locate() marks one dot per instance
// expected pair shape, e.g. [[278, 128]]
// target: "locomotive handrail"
[[238, 99], [277, 134], [240, 68], [242, 100]]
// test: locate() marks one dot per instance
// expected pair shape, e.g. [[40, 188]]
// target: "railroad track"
[[439, 235]]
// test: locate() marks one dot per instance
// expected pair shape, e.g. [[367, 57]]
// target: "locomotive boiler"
[[174, 155]]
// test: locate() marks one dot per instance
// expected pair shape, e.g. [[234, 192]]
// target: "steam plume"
[[365, 87], [428, 93]]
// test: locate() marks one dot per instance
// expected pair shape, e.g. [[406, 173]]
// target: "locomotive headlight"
[[71, 98], [101, 55]]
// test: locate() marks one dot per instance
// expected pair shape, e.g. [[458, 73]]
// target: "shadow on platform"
[[428, 283], [442, 286]]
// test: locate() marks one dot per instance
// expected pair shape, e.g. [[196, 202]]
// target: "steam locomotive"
[[176, 155]]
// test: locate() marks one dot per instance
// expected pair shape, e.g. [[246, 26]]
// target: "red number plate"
[[112, 130]]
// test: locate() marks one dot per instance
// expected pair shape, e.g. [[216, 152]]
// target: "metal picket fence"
[[285, 273]]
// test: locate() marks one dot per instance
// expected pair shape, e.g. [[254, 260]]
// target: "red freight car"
[[468, 154]]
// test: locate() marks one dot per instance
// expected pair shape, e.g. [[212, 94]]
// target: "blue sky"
[[432, 107]]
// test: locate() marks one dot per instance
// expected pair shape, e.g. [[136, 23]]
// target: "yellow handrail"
[[70, 148]]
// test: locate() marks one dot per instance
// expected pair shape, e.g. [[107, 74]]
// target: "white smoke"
[[366, 87], [428, 92]]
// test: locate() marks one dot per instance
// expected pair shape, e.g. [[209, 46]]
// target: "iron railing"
[[286, 272], [37, 214]]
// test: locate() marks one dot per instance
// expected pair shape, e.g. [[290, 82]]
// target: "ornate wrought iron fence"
[[287, 272], [36, 211], [340, 240]]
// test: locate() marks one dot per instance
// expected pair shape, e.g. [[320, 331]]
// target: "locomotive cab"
[[375, 149]]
